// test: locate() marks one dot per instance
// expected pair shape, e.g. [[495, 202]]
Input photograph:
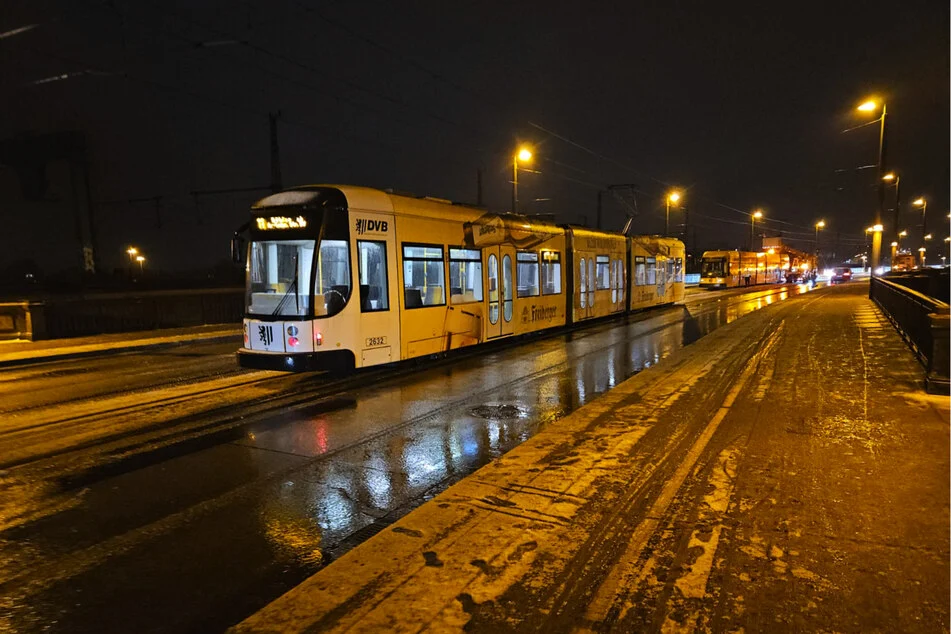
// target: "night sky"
[[740, 105]]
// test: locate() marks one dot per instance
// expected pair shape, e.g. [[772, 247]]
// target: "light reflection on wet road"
[[198, 541]]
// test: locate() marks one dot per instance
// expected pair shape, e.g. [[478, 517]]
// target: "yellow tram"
[[351, 277]]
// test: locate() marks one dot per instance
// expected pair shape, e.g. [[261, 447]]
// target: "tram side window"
[[651, 270], [374, 293], [640, 271], [582, 284], [465, 275], [551, 272], [423, 276], [603, 273], [527, 273], [679, 268], [333, 280]]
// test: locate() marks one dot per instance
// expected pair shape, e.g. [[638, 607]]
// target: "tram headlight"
[[318, 339]]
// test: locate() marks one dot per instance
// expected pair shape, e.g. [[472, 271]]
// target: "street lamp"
[[872, 106], [132, 251], [819, 225], [921, 253], [141, 260], [756, 215], [672, 197], [524, 155], [894, 253], [921, 202], [896, 178]]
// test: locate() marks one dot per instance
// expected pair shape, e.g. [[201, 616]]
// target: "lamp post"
[[672, 197], [894, 253], [921, 202], [132, 251], [871, 106], [756, 215], [896, 177], [524, 154], [901, 234], [921, 254], [819, 225], [141, 260]]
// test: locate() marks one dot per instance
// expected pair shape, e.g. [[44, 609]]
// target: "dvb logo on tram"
[[365, 225]]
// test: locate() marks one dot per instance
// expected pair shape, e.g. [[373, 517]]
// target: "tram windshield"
[[296, 276], [713, 267], [279, 277]]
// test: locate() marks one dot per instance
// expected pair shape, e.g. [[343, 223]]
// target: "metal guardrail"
[[924, 323], [60, 317], [930, 282]]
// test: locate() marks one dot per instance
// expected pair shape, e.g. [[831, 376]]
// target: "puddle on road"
[[497, 412]]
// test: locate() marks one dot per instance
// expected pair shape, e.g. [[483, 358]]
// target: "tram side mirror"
[[237, 249]]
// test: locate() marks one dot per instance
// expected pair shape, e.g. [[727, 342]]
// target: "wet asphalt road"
[[194, 535]]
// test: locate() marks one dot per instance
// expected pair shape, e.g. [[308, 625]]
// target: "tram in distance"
[[343, 277], [724, 269]]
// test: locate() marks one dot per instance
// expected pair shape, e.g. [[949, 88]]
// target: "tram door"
[[500, 284]]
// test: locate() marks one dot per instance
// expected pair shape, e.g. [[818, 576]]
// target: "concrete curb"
[[93, 350]]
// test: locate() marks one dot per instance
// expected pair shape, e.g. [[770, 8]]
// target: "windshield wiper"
[[287, 294]]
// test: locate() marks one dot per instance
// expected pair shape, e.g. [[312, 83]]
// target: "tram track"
[[307, 389], [111, 446], [33, 580]]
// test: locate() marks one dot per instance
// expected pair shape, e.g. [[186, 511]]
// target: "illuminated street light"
[[894, 177], [921, 202], [756, 215], [132, 251], [921, 253], [141, 260], [524, 155], [819, 225], [901, 234], [672, 197], [871, 106]]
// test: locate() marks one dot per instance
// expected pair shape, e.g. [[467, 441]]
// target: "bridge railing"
[[60, 317], [924, 322]]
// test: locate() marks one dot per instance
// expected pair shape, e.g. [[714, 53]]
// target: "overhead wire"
[[162, 8], [655, 179]]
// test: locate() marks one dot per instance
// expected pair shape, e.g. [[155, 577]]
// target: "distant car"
[[842, 274]]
